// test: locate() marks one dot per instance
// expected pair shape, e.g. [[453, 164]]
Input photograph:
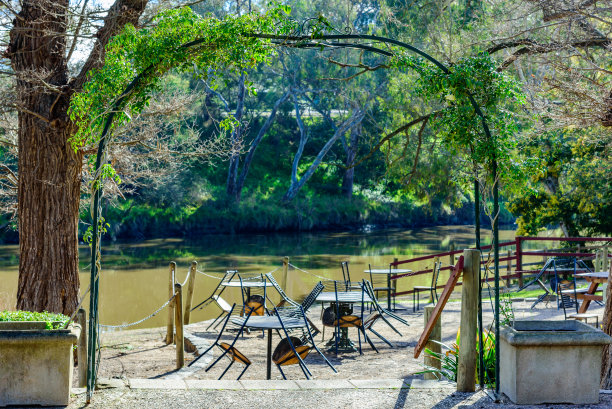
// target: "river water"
[[134, 279]]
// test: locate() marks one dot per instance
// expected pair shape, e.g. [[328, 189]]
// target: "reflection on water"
[[134, 280]]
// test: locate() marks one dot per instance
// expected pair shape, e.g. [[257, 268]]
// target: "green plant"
[[52, 320]]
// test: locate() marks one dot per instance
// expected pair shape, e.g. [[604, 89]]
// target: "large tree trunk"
[[606, 361], [49, 169]]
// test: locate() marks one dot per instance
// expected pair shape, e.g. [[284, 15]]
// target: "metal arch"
[[287, 41]]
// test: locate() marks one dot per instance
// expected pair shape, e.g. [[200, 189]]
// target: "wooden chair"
[[566, 291], [431, 288]]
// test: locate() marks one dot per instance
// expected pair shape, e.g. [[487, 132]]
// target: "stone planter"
[[551, 362], [35, 364]]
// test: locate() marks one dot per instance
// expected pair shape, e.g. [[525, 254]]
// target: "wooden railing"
[[514, 265]]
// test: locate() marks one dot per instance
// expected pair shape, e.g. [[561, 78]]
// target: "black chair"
[[367, 286], [343, 318], [348, 284], [431, 288], [218, 290], [253, 298], [382, 285], [225, 307], [229, 350], [566, 291]]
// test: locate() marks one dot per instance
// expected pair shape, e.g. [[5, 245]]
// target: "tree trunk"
[[49, 170], [232, 172], [351, 154], [606, 357]]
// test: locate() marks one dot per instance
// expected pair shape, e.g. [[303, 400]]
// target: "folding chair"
[[349, 285], [228, 349], [566, 291], [299, 347], [431, 289], [226, 308], [229, 274], [379, 285]]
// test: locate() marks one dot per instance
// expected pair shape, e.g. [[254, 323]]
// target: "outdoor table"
[[247, 284], [596, 278], [388, 272], [270, 322], [345, 299]]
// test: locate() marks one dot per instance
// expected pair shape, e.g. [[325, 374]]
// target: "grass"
[[52, 320]]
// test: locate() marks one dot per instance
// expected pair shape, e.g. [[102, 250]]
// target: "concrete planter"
[[551, 362], [35, 364]]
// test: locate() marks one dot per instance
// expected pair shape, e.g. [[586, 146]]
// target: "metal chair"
[[380, 286], [431, 288], [226, 308], [349, 285], [566, 291], [218, 290], [228, 349], [367, 286]]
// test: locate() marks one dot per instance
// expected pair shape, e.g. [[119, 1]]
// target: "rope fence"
[[131, 324]]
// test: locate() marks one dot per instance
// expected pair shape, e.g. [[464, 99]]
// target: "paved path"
[[302, 394]]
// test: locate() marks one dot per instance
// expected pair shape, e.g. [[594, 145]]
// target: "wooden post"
[[436, 335], [178, 318], [466, 369], [170, 327], [190, 287], [604, 254], [508, 268], [81, 319], [451, 258], [519, 260]]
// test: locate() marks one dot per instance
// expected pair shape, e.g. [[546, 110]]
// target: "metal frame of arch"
[[353, 41]]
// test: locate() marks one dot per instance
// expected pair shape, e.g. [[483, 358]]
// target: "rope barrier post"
[[285, 273], [451, 257], [190, 287], [81, 319], [170, 327], [178, 318]]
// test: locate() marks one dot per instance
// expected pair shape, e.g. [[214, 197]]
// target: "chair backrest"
[[345, 271], [224, 305], [310, 298], [279, 289], [564, 291], [435, 274]]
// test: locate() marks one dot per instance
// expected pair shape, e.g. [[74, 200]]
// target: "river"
[[134, 279]]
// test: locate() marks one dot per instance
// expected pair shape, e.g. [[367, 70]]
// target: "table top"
[[270, 322], [594, 275], [388, 271], [246, 283], [343, 296]]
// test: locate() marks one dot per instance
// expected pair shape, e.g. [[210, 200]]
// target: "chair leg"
[[324, 357], [201, 355], [215, 320], [243, 371], [281, 371], [359, 337], [369, 340], [226, 369], [413, 300], [382, 338], [390, 325]]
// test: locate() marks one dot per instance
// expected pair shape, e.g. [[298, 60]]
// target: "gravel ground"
[[143, 354]]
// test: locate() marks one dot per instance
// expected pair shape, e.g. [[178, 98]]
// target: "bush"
[[52, 320]]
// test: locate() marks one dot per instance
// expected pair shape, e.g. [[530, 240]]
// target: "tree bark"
[[232, 172], [49, 169], [606, 355]]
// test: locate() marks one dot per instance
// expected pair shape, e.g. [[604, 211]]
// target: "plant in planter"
[[36, 358]]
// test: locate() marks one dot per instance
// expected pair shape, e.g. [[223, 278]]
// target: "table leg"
[[591, 291], [269, 363]]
